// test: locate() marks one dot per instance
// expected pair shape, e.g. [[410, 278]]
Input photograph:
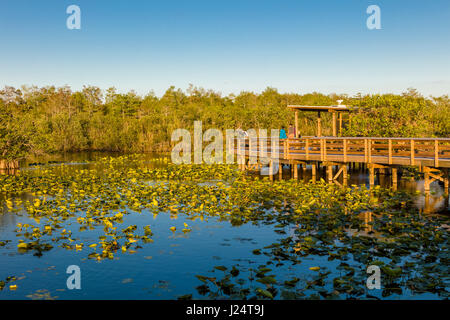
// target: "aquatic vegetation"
[[314, 219], [9, 279], [412, 251]]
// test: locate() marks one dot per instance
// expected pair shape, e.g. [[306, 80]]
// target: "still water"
[[167, 267]]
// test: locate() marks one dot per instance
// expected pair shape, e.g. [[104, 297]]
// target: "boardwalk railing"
[[390, 151]]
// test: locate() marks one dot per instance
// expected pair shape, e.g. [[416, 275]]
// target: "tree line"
[[58, 119]]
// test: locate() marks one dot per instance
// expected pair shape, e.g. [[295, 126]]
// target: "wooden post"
[[412, 152], [371, 175], [287, 149], [427, 208], [365, 151], [345, 150], [427, 181], [296, 123], [295, 170], [330, 173], [394, 178], [321, 150], [390, 151], [307, 149], [319, 126], [334, 124], [436, 153], [345, 174], [324, 149], [340, 124], [370, 150], [280, 170], [313, 171]]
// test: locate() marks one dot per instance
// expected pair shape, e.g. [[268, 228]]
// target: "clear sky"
[[229, 46]]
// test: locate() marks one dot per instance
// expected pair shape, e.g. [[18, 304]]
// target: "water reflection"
[[434, 201]]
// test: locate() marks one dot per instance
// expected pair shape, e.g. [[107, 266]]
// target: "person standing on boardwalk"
[[291, 132], [283, 133]]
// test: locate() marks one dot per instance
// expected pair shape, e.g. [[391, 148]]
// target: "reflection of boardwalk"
[[430, 156], [432, 203]]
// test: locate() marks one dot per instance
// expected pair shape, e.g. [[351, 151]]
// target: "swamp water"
[[141, 228]]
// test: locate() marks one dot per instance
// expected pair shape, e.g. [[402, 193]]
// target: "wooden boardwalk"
[[430, 155]]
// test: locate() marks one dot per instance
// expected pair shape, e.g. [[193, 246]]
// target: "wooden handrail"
[[392, 151]]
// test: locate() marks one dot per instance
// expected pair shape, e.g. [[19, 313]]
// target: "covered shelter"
[[336, 111]]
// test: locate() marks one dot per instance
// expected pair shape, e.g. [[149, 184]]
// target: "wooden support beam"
[[242, 164], [313, 172], [296, 124], [330, 173], [345, 174], [427, 181], [371, 175], [434, 174], [378, 166], [295, 170], [336, 176], [340, 124], [413, 162], [394, 178], [280, 170]]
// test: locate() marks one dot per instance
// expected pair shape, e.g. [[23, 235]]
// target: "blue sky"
[[229, 46]]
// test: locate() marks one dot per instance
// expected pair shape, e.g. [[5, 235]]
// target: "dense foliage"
[[54, 119]]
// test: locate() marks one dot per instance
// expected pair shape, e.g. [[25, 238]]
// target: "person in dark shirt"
[[291, 131]]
